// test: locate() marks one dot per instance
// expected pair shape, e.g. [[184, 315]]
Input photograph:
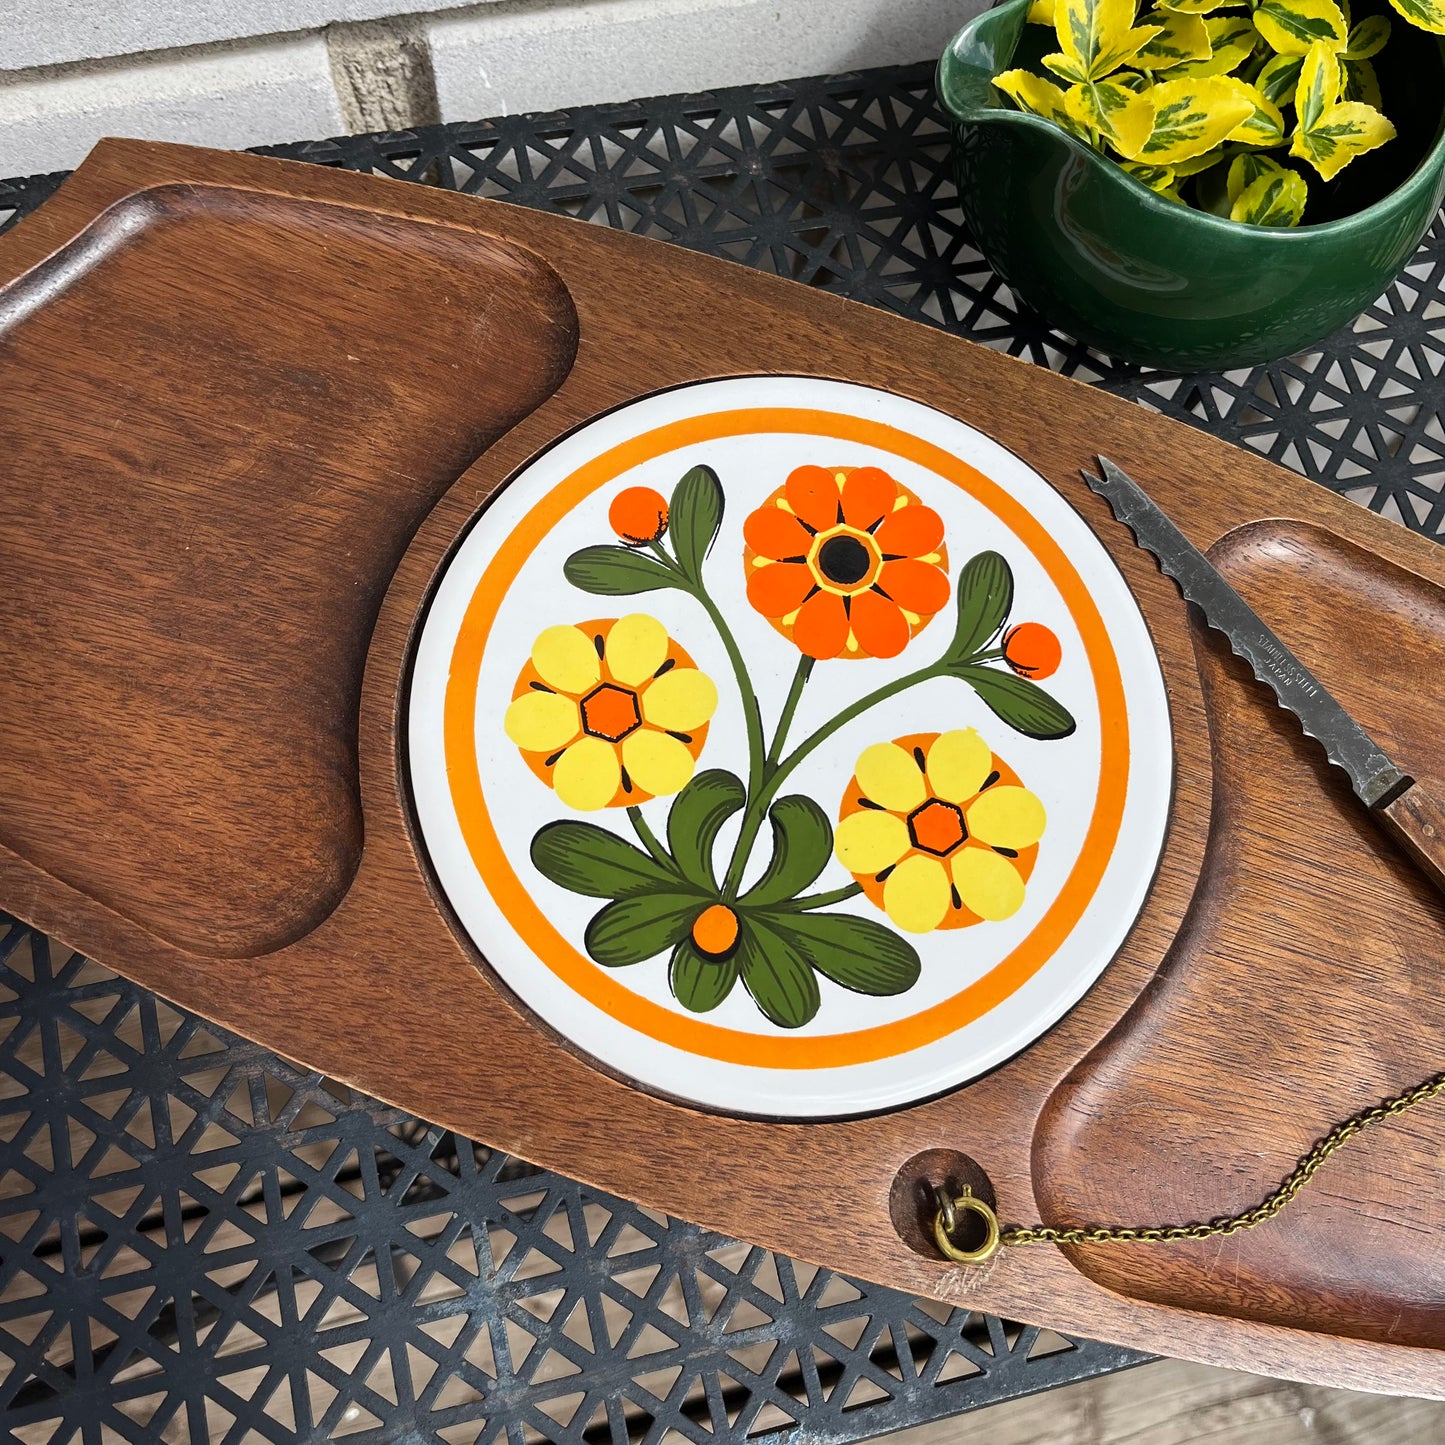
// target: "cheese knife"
[[1414, 816]]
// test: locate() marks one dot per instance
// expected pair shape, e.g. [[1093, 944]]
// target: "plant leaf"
[[1248, 167], [1124, 118], [1022, 704], [985, 593], [1232, 39], [1041, 12], [1096, 37], [802, 845], [1279, 79], [1037, 96], [1426, 14], [1344, 132], [1367, 38], [1265, 127], [694, 517], [1180, 38], [857, 953], [697, 813], [1292, 26], [698, 983], [1193, 7], [780, 980], [1196, 164], [1361, 83], [1272, 200], [1191, 117], [617, 572], [583, 858], [1331, 134], [1319, 86], [633, 929], [1157, 178]]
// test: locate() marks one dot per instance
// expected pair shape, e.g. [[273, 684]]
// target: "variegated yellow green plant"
[[1194, 96]]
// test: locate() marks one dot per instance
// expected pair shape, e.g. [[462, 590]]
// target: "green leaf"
[[1037, 96], [1232, 39], [1157, 178], [1096, 37], [1272, 200], [1292, 26], [698, 812], [1427, 14], [1279, 79], [984, 595], [694, 516], [1123, 117], [1265, 126], [1246, 168], [617, 572], [1362, 84], [584, 858], [1332, 133], [857, 953], [698, 983], [1180, 38], [777, 975], [1194, 7], [633, 929], [1022, 704], [802, 845], [1192, 117], [1366, 39], [1197, 164]]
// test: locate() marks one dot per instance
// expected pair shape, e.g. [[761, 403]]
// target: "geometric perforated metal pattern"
[[203, 1242], [199, 1241]]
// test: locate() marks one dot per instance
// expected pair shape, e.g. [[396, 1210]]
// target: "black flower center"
[[844, 560]]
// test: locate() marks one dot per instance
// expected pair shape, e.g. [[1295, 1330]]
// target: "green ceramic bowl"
[[1105, 259]]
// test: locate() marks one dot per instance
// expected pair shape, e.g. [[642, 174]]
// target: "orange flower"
[[846, 562], [638, 515], [1032, 650]]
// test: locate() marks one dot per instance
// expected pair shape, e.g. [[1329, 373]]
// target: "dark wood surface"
[[198, 745], [1417, 819]]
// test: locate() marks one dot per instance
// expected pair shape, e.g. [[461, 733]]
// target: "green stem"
[[820, 900], [752, 714], [758, 802], [649, 839], [785, 719]]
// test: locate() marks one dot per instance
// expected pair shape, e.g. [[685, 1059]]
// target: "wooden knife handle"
[[1417, 819]]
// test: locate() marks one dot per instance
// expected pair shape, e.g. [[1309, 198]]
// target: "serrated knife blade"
[[1374, 777]]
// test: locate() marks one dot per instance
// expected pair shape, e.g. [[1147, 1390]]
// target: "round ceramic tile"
[[789, 747]]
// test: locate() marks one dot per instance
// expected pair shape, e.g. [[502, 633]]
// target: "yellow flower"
[[939, 831], [610, 713]]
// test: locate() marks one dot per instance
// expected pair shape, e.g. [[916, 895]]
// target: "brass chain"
[[1222, 1227]]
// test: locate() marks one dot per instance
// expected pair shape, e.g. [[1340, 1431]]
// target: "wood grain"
[[381, 992], [1417, 819]]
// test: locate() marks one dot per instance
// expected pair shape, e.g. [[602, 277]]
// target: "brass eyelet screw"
[[946, 1223]]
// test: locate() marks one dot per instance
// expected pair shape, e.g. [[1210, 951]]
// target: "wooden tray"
[[221, 520]]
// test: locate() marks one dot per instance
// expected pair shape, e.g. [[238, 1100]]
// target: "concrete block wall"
[[234, 73]]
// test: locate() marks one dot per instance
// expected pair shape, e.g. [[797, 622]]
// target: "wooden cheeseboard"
[[253, 409]]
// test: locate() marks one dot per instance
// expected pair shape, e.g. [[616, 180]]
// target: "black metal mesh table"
[[201, 1241]]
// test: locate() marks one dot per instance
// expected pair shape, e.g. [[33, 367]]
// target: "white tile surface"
[[251, 95], [511, 58]]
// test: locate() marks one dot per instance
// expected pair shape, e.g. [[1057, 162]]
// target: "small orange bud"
[[715, 930], [638, 515], [1032, 650]]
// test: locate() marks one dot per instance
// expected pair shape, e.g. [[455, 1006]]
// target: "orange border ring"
[[695, 1036]]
